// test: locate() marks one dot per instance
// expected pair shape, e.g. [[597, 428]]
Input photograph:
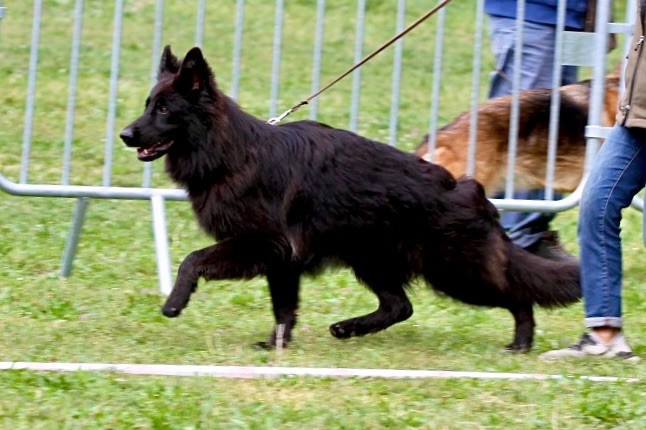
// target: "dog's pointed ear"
[[195, 74], [169, 63]]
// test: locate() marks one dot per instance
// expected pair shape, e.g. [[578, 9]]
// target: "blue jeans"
[[617, 175], [537, 64], [537, 58]]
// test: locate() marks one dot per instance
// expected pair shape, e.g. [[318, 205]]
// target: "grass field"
[[108, 310]]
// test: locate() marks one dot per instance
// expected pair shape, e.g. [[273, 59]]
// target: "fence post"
[[161, 244], [73, 238]]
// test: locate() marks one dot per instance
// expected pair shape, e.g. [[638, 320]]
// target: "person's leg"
[[501, 32], [617, 174], [528, 230], [537, 58], [569, 75]]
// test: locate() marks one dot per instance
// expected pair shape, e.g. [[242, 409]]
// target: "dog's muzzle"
[[145, 152]]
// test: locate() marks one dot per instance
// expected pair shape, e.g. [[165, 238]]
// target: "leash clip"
[[276, 119]]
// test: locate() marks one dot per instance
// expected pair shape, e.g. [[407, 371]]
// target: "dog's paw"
[[518, 348], [341, 331], [263, 345], [268, 345], [170, 312]]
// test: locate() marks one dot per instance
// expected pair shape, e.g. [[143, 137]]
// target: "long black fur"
[[283, 201]]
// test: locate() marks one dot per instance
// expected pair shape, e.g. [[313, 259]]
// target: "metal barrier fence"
[[66, 52]]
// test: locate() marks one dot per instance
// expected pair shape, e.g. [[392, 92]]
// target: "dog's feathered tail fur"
[[549, 283]]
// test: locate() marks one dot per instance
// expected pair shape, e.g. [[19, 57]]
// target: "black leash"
[[431, 12]]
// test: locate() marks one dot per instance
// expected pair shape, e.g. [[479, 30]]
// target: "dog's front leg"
[[229, 259], [185, 283]]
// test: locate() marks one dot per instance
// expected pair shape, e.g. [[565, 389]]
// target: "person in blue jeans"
[[530, 230], [618, 173]]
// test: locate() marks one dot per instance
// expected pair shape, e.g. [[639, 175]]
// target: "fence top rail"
[[97, 192]]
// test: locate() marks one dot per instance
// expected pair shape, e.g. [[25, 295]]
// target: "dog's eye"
[[163, 110]]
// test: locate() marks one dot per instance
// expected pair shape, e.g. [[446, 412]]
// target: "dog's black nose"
[[127, 135]]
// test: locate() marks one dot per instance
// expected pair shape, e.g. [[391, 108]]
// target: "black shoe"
[[548, 246]]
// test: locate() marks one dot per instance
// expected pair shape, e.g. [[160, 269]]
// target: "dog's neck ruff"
[[211, 157]]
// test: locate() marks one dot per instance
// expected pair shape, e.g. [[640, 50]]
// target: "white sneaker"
[[591, 345]]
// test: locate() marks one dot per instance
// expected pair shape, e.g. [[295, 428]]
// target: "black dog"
[[291, 199]]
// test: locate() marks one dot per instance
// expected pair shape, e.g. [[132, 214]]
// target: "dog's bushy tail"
[[547, 283]]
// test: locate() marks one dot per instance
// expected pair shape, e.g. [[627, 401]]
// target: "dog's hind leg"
[[283, 288], [229, 259], [524, 328], [394, 307]]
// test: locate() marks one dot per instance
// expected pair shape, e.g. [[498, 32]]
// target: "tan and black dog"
[[452, 143]]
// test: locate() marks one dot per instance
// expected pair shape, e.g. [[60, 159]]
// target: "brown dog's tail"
[[547, 283]]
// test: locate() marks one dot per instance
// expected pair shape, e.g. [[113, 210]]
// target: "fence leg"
[[73, 237], [161, 244]]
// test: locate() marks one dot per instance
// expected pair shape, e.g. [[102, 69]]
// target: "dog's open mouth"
[[153, 152]]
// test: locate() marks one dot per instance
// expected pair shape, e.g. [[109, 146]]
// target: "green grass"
[[292, 403], [108, 310]]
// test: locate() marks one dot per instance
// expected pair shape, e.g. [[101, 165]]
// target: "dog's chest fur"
[[224, 211]]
